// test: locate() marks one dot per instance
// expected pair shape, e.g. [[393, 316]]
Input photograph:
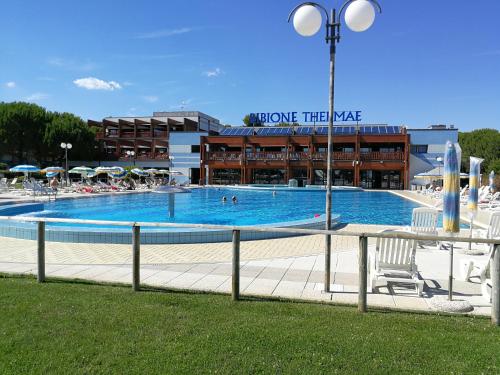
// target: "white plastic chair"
[[394, 261], [424, 221]]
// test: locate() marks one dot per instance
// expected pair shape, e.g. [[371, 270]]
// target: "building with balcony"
[[428, 146], [369, 156], [155, 141]]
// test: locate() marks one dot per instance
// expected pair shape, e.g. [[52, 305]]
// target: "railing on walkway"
[[236, 230], [383, 156]]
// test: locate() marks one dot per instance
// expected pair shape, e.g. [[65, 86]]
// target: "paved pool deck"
[[289, 268]]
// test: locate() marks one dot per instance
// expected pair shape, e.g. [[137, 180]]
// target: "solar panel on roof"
[[304, 130]]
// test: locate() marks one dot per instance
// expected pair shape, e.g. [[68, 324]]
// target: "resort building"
[[427, 148], [205, 152], [158, 141], [369, 156]]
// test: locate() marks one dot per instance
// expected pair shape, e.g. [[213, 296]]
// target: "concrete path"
[[291, 267]]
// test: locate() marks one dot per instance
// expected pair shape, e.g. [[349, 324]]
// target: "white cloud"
[[10, 85], [92, 83], [213, 73], [150, 98], [37, 96], [164, 33]]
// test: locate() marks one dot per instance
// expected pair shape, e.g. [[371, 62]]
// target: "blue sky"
[[422, 62]]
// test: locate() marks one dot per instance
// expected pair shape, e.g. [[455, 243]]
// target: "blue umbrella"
[[24, 168], [139, 172], [492, 182], [474, 174], [474, 182], [52, 174], [451, 189], [451, 202], [118, 172]]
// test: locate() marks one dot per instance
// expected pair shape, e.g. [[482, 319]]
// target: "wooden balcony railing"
[[127, 135], [145, 156], [337, 155], [223, 156], [300, 155], [377, 155], [266, 155], [143, 134]]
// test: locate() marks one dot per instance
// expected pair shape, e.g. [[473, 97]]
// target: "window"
[[418, 149], [195, 149]]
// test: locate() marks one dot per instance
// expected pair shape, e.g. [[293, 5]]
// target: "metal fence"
[[135, 228]]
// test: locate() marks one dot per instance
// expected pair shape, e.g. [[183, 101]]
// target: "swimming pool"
[[253, 207], [296, 208]]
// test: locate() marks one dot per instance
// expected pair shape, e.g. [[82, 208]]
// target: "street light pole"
[[66, 147], [307, 20]]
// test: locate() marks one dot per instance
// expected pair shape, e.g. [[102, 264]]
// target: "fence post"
[[363, 271], [136, 257], [41, 252], [495, 288], [235, 290]]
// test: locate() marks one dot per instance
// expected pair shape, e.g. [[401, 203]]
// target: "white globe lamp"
[[359, 15], [307, 20], [69, 146], [63, 145]]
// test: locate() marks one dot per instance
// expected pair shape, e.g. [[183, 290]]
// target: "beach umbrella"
[[451, 201], [139, 172], [175, 173], [118, 172], [101, 170], [24, 168], [55, 170], [163, 171], [82, 170], [492, 182], [474, 176], [151, 171], [51, 174]]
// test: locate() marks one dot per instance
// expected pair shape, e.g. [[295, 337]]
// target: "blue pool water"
[[253, 207]]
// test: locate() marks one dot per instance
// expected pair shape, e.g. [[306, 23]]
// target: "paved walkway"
[[291, 267]]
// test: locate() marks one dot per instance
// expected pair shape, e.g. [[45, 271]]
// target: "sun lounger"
[[424, 222], [393, 261]]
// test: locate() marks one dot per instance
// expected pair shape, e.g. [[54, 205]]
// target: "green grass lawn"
[[74, 328]]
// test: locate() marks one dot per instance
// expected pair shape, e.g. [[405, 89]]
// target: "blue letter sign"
[[291, 117]]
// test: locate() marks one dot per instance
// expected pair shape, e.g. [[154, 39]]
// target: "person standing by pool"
[[54, 183]]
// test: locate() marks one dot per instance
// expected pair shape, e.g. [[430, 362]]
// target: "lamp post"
[[307, 20], [439, 159], [130, 154], [66, 147]]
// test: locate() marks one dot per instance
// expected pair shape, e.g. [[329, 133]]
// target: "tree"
[[257, 122], [29, 133], [66, 127], [494, 166], [482, 143], [21, 128]]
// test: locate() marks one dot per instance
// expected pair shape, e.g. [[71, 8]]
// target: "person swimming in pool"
[[224, 199], [234, 199]]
